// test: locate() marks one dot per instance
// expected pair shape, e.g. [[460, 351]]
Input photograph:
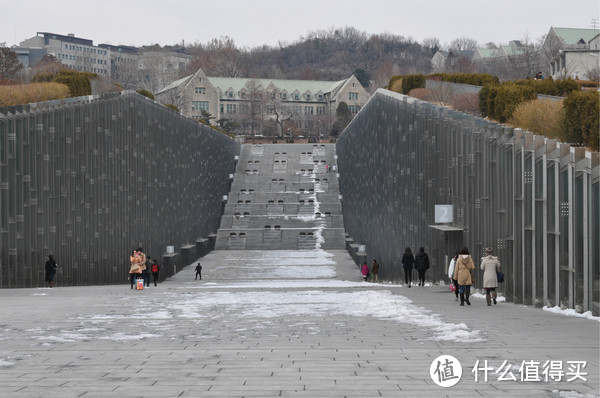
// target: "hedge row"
[[475, 79], [498, 101], [558, 88], [34, 92], [145, 93]]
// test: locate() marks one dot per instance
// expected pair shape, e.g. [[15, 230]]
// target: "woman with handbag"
[[490, 266], [135, 259]]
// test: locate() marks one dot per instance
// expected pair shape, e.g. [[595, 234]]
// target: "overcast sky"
[[256, 22]]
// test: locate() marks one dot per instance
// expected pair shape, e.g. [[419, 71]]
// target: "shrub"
[[79, 83], [467, 103], [410, 82], [145, 93], [487, 94], [540, 116], [508, 97], [395, 84], [173, 107], [34, 92], [581, 123]]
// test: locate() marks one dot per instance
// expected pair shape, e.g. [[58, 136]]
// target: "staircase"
[[283, 198]]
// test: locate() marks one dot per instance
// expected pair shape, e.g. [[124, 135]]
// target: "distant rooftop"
[[575, 35]]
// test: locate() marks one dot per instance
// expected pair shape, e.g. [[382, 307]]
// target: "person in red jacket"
[[364, 271]]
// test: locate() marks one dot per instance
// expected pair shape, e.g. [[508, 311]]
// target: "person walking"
[[408, 262], [451, 269], [462, 273], [50, 269], [422, 265], [155, 270], [198, 271], [375, 271], [364, 270], [490, 266], [146, 271]]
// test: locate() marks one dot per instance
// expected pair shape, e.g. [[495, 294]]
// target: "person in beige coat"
[[462, 273], [490, 266]]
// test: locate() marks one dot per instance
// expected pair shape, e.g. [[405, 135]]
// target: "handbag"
[[134, 269], [500, 276], [452, 287]]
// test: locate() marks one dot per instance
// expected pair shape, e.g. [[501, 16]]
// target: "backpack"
[[154, 267]]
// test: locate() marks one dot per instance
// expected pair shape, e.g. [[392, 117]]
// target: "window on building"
[[200, 90], [199, 105], [320, 110], [231, 108], [283, 95], [354, 108], [352, 96], [270, 109], [230, 94], [308, 110]]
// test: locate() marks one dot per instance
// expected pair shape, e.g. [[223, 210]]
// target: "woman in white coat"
[[490, 266]]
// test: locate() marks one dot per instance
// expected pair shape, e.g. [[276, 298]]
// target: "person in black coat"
[[422, 265], [198, 271], [408, 261], [50, 270]]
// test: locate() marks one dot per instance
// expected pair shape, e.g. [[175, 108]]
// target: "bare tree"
[[463, 44], [550, 46], [525, 62], [9, 63], [255, 101]]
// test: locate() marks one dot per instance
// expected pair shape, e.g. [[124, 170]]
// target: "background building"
[[131, 67], [258, 104], [74, 52]]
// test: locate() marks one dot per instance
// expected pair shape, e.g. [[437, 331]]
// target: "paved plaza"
[[285, 324]]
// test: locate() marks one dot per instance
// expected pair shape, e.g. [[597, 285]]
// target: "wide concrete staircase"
[[283, 198]]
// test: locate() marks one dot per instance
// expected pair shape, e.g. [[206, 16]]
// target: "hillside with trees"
[[331, 54]]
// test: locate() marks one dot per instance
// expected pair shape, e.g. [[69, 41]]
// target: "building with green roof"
[[265, 105]]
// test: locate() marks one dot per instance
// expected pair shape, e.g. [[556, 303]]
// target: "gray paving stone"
[[178, 340]]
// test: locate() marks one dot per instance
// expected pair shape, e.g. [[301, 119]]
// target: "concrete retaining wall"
[[89, 179], [534, 200]]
